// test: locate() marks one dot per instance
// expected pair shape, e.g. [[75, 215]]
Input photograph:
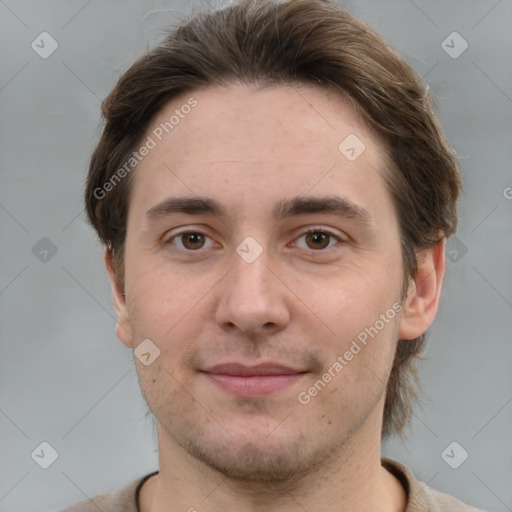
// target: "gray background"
[[66, 379]]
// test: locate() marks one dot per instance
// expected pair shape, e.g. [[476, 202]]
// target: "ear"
[[422, 301], [123, 327]]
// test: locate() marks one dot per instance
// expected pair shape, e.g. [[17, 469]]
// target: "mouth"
[[253, 381]]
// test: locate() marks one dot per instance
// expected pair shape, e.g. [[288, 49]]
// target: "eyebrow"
[[305, 205], [190, 205], [339, 206]]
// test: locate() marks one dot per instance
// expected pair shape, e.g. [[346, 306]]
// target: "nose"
[[252, 299]]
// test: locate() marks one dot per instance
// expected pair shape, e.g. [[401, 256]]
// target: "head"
[[250, 106]]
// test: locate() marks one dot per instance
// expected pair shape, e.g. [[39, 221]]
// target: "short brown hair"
[[268, 42]]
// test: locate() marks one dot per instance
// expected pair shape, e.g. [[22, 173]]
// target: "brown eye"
[[317, 240], [192, 240]]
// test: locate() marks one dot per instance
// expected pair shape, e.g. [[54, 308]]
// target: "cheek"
[[162, 311], [155, 289], [359, 307], [149, 303], [171, 308], [353, 297]]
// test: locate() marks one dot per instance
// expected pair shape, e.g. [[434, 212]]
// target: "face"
[[263, 261]]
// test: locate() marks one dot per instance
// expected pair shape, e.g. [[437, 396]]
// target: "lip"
[[252, 381]]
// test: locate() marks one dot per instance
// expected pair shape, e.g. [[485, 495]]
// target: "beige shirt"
[[420, 497]]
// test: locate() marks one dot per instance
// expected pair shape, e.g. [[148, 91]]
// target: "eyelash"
[[330, 234]]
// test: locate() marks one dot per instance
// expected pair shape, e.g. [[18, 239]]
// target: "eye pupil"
[[318, 238], [193, 240]]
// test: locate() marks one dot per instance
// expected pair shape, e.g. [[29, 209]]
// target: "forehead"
[[250, 117], [246, 143]]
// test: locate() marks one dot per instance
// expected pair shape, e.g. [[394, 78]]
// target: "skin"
[[300, 303]]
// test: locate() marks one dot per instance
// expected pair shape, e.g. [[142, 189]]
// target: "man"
[[274, 192]]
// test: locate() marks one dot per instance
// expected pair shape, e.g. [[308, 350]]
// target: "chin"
[[253, 457], [251, 462]]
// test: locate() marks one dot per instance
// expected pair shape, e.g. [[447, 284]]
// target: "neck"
[[351, 479]]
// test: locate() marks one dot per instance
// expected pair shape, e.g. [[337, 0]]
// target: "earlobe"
[[422, 301], [123, 327]]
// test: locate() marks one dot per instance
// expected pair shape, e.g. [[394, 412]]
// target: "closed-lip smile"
[[252, 381]]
